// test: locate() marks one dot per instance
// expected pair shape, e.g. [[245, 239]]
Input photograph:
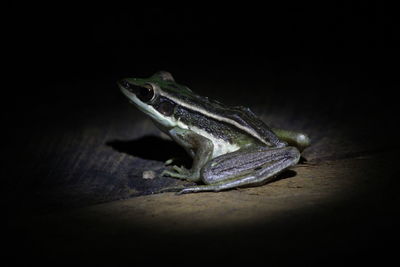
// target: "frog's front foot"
[[176, 172], [181, 173]]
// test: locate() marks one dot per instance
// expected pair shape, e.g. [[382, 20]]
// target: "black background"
[[327, 54], [350, 46], [62, 43]]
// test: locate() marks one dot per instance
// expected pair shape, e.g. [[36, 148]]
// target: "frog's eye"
[[145, 94], [166, 108]]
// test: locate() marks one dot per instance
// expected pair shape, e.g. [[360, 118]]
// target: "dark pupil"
[[144, 94], [166, 108]]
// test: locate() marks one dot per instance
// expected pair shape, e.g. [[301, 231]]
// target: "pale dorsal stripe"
[[214, 116]]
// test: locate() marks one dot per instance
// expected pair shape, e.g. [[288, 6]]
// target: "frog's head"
[[154, 95]]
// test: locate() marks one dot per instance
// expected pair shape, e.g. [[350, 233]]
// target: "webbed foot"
[[176, 172]]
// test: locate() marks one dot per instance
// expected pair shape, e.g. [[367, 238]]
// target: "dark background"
[[353, 43], [334, 55], [63, 59]]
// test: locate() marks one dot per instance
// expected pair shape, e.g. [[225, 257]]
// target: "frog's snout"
[[123, 83]]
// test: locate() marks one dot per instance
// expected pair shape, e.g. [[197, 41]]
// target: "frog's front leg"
[[199, 147], [245, 167]]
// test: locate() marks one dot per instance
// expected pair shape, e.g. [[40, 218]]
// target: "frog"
[[231, 146]]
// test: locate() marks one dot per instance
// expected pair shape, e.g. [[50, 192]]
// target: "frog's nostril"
[[124, 83]]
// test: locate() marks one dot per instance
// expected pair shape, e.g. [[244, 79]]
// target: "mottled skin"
[[230, 146]]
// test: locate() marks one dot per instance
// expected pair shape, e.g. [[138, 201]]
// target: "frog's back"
[[238, 124]]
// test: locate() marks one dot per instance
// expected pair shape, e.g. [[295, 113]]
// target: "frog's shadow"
[[152, 148], [155, 148]]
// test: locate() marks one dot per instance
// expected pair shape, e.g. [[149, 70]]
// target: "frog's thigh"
[[248, 167]]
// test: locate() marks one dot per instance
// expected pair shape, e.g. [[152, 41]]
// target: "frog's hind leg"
[[245, 168]]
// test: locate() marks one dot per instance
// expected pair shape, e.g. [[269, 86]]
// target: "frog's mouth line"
[[133, 99], [133, 89]]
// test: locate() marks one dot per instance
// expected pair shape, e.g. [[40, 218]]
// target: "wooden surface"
[[75, 189]]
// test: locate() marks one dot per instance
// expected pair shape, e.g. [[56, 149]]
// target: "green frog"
[[230, 146]]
